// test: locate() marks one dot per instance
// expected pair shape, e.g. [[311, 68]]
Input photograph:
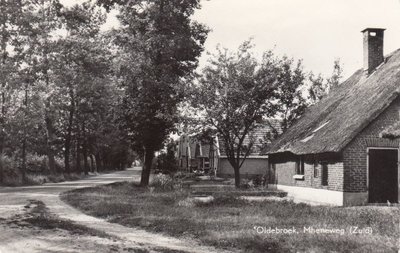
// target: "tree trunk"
[[99, 166], [78, 156], [23, 167], [3, 88], [24, 141], [92, 167], [67, 147], [68, 137], [148, 161], [85, 150], [104, 160], [237, 176], [50, 140], [1, 169], [85, 161]]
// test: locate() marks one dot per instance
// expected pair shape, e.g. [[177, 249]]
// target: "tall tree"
[[82, 69], [291, 79], [162, 45], [6, 22], [44, 22], [234, 92], [320, 86]]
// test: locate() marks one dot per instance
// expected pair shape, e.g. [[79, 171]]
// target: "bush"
[[60, 166], [40, 164], [166, 162], [32, 179], [163, 182], [37, 164], [72, 176], [256, 181], [56, 178], [11, 174]]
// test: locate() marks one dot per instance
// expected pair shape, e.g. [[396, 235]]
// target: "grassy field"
[[232, 223]]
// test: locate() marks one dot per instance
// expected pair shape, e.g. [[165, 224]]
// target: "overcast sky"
[[317, 31]]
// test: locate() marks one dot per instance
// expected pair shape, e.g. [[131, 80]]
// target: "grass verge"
[[237, 224]]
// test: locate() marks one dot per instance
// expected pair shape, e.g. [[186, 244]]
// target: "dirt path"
[[24, 230]]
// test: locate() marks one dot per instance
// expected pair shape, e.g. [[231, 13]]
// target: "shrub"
[[11, 174], [60, 166], [166, 162], [37, 163], [163, 182], [256, 181], [72, 176], [56, 178], [32, 179], [40, 164]]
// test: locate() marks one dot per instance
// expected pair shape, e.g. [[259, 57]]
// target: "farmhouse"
[[255, 164], [339, 152], [194, 153]]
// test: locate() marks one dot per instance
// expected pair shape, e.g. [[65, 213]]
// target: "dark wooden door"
[[383, 180]]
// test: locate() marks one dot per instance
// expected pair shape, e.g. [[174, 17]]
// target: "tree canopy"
[[161, 46], [236, 90]]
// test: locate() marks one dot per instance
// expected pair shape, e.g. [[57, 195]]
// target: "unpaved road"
[[17, 236]]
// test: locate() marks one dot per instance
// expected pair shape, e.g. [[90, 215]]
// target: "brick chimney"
[[373, 48]]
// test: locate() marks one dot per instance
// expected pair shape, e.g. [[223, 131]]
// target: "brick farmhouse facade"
[[336, 153]]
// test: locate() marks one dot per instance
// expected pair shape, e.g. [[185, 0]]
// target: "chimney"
[[373, 48]]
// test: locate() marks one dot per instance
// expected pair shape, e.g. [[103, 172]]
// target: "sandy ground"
[[15, 237]]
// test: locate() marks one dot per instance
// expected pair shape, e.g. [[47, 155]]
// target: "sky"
[[316, 31]]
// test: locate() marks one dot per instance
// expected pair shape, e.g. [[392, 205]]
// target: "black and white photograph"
[[199, 126]]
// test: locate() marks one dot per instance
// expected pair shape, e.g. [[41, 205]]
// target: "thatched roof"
[[332, 123]]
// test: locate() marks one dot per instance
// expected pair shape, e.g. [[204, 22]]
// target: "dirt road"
[[34, 219]]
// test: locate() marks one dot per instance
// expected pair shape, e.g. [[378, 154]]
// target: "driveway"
[[16, 235]]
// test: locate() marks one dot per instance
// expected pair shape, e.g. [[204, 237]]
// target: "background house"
[[336, 152], [195, 153], [255, 164]]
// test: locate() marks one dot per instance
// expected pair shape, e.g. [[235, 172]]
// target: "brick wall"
[[284, 168], [355, 154], [252, 166]]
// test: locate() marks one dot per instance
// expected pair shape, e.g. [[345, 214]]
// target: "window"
[[324, 175], [316, 169], [207, 162], [300, 166]]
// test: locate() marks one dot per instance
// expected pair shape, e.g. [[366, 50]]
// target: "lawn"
[[236, 224]]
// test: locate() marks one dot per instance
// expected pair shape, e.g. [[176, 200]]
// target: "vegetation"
[[97, 100], [166, 161], [236, 91], [232, 223], [320, 86], [161, 46], [58, 98]]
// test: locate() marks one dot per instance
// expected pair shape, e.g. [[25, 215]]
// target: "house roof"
[[259, 134], [333, 122]]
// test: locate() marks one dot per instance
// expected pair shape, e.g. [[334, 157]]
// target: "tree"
[[82, 75], [43, 23], [291, 102], [234, 92], [320, 86], [9, 39], [166, 161], [161, 46]]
